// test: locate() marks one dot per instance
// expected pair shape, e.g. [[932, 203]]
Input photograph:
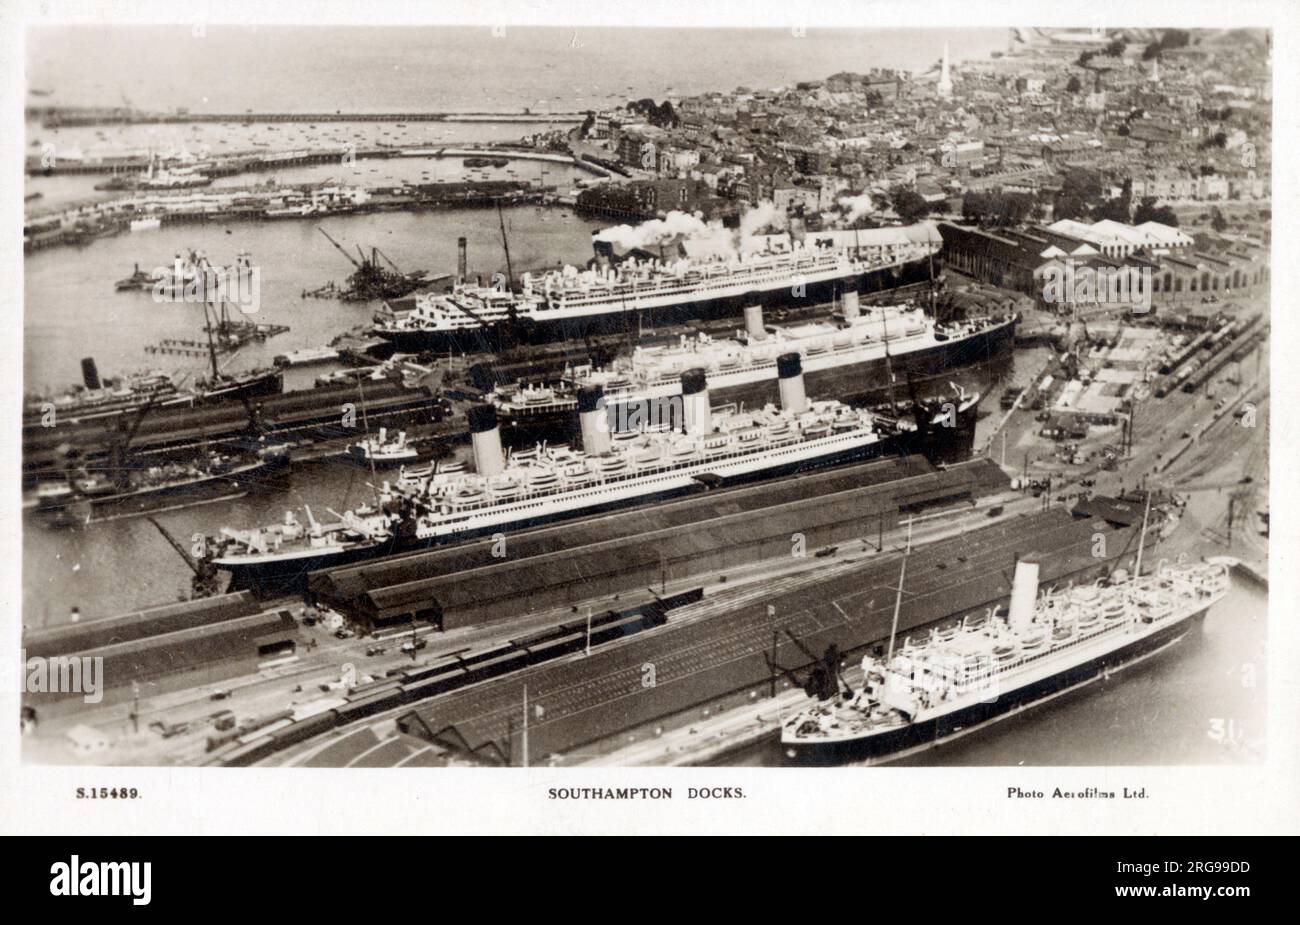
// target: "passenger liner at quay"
[[952, 682], [615, 297], [548, 483], [865, 356]]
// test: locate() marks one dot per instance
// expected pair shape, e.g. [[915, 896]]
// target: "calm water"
[[410, 69], [1164, 711], [73, 311]]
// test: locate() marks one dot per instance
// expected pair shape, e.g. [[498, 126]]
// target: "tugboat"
[[137, 280], [382, 451]]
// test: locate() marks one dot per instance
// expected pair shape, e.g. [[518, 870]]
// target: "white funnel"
[[1024, 592]]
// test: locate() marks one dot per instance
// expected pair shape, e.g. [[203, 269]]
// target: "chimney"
[[1024, 591], [462, 260], [593, 420], [90, 373], [754, 322], [790, 373], [851, 308], [489, 460], [695, 402]]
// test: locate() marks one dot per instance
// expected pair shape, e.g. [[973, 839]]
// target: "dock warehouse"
[[201, 640], [700, 662], [565, 565]]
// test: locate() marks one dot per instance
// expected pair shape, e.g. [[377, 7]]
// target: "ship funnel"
[[790, 372], [1024, 591], [604, 254], [489, 460], [754, 322], [695, 402], [593, 420], [851, 308], [90, 373], [462, 260]]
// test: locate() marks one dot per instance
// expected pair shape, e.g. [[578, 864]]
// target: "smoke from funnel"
[[707, 239], [857, 206]]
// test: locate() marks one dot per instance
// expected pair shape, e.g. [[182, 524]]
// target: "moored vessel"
[[954, 680], [546, 483]]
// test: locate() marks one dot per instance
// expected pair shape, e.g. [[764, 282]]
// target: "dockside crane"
[[204, 581], [339, 247]]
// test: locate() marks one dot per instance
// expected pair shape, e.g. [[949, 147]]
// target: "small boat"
[[383, 451]]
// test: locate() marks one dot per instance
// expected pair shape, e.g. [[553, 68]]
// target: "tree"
[[997, 209], [1117, 210], [910, 205], [1217, 221], [1080, 193], [1148, 211], [1073, 86]]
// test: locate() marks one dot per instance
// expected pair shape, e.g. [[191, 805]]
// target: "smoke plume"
[[705, 239], [857, 206]]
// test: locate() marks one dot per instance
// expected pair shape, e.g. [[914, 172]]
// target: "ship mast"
[[369, 447], [1137, 566], [898, 603], [505, 243], [889, 366], [208, 324]]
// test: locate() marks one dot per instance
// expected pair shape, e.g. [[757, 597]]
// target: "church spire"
[[944, 88]]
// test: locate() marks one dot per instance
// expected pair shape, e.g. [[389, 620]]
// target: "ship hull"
[[290, 574], [271, 383], [864, 382], [155, 499], [912, 738], [628, 321]]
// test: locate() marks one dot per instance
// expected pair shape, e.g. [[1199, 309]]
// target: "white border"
[[1187, 800]]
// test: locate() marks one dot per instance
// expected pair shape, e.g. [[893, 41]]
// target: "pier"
[[51, 117]]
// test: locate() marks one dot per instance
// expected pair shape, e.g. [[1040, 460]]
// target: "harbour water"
[[73, 311]]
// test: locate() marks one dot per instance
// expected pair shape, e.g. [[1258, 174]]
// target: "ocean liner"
[[958, 679], [615, 297], [547, 483], [865, 355]]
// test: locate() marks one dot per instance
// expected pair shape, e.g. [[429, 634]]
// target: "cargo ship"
[[612, 296], [132, 394], [864, 354], [959, 679], [87, 498], [613, 469]]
